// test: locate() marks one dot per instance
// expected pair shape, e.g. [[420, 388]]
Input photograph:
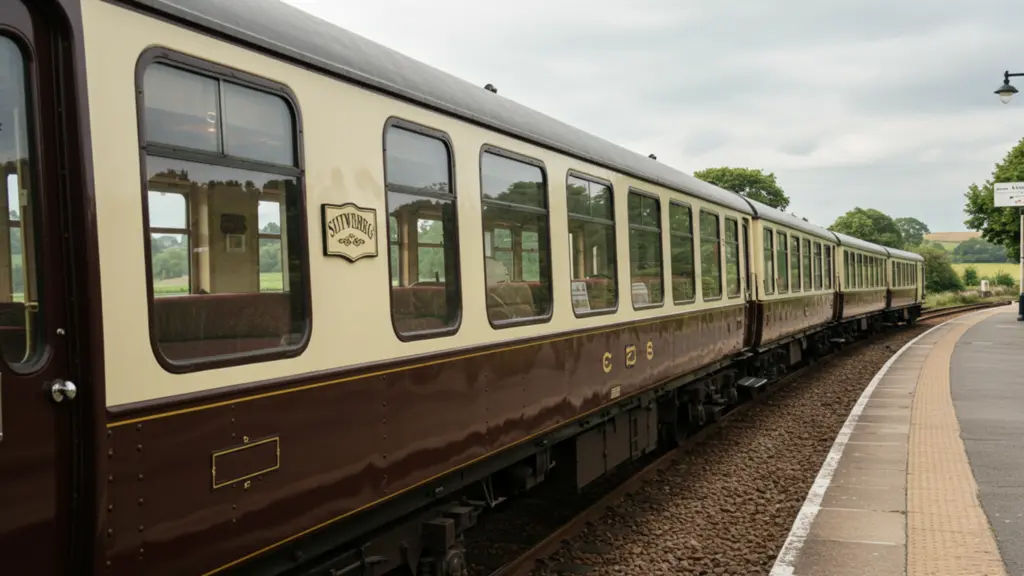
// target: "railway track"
[[526, 562], [928, 313]]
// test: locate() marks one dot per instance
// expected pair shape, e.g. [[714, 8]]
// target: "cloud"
[[872, 103]]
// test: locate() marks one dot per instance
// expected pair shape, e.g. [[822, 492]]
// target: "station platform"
[[927, 475]]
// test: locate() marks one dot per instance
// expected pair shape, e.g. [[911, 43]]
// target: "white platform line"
[[787, 557]]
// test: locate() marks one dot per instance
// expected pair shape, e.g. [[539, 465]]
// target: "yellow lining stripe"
[[403, 369]]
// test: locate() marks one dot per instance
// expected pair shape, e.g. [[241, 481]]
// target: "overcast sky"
[[882, 104]]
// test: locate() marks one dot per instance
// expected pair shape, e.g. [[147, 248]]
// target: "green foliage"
[[997, 225], [913, 231], [869, 225], [977, 251], [971, 276], [749, 182], [1004, 279], [938, 270]]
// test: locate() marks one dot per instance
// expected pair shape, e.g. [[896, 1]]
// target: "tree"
[[938, 271], [913, 231], [753, 184], [971, 276], [977, 251], [997, 225], [869, 225]]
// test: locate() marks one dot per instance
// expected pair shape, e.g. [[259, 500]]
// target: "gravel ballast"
[[726, 507]]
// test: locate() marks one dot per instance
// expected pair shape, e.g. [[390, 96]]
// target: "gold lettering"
[[606, 362], [630, 355]]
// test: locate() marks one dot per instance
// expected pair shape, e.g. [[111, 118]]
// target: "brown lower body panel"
[[194, 487], [781, 318], [863, 302], [903, 297]]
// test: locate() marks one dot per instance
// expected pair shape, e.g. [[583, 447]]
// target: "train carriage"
[[796, 271], [904, 271], [347, 300], [862, 278]]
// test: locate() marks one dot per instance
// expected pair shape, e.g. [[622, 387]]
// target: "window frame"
[[661, 244], [769, 280], [725, 256], [403, 124], [782, 246], [573, 173], [693, 251], [223, 73], [798, 287], [721, 257], [817, 255], [827, 270], [546, 211]]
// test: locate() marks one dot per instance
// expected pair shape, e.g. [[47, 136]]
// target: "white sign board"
[[1009, 194], [580, 298]]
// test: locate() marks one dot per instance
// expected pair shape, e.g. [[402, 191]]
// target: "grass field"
[[989, 269], [269, 282]]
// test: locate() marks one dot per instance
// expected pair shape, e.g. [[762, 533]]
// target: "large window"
[[684, 275], [782, 260], [769, 261], [422, 228], [732, 258], [645, 267], [817, 265], [710, 255], [860, 272], [517, 250], [794, 263], [21, 329], [591, 244], [224, 216], [828, 267]]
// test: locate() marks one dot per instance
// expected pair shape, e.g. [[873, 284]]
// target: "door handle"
[[61, 389]]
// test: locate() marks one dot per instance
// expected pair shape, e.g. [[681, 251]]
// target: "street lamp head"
[[1006, 92]]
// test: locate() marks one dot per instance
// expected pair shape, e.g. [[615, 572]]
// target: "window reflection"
[[20, 318]]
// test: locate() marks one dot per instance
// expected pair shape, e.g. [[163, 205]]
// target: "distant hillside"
[[951, 236]]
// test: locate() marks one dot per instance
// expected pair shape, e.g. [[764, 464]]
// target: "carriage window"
[[226, 242], [782, 261], [806, 253], [516, 240], [860, 271], [710, 255], [769, 261], [20, 320], [794, 263], [425, 297], [645, 266], [591, 245], [828, 267], [732, 258], [684, 278], [847, 274], [817, 265]]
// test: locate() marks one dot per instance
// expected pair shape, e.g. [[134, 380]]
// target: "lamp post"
[[1006, 92]]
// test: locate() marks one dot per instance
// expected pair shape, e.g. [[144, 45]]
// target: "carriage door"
[[36, 391]]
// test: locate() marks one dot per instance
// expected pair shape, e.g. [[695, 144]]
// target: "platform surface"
[[905, 490], [987, 376]]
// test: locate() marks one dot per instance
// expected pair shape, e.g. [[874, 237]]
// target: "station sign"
[[1009, 194]]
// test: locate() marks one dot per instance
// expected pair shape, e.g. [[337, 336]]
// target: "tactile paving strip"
[[948, 533]]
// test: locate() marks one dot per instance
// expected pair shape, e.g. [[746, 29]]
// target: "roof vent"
[[491, 88], [652, 156]]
